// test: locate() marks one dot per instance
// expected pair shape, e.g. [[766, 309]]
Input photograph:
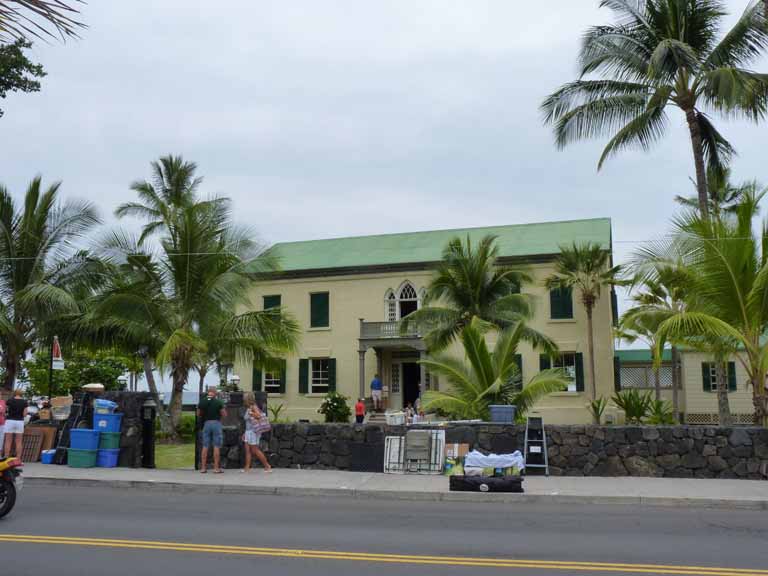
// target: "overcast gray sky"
[[329, 118]]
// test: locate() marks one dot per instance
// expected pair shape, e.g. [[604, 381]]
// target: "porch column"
[[361, 353], [379, 364], [423, 375]]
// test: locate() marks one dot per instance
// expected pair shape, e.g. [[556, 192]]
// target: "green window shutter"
[[256, 379], [731, 376], [519, 363], [617, 373], [331, 374], [544, 362], [272, 301], [706, 377], [283, 369], [614, 307], [579, 372], [561, 303], [318, 310], [303, 376]]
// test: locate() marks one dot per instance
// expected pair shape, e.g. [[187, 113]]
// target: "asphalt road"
[[77, 531]]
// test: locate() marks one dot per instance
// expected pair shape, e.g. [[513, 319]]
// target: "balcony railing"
[[384, 330]]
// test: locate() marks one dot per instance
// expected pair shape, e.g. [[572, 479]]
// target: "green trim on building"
[[419, 248], [641, 356]]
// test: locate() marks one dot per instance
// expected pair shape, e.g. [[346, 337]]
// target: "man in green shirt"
[[211, 411]]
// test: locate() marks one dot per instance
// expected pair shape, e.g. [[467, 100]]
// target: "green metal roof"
[[641, 356], [518, 240]]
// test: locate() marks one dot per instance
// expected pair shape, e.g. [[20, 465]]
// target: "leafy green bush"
[[597, 407], [275, 410], [661, 413], [80, 368], [335, 408], [636, 406], [186, 428]]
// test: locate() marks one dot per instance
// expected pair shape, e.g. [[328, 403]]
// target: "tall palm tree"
[[661, 54], [662, 295], [39, 18], [489, 378], [42, 272], [723, 195], [588, 268], [192, 269], [469, 283], [727, 288]]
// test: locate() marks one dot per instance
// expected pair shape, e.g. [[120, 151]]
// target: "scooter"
[[11, 481]]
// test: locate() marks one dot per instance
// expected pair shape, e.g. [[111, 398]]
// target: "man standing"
[[211, 411], [376, 392], [14, 423]]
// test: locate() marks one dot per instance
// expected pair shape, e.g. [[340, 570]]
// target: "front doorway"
[[410, 383]]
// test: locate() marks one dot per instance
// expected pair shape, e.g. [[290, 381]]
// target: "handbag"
[[262, 425]]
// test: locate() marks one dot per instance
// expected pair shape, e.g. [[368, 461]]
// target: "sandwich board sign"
[[57, 360]]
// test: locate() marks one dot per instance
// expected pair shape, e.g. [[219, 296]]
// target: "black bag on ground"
[[486, 484]]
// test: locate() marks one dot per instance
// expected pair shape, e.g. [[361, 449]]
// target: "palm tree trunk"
[[179, 374], [202, 372], [591, 342], [723, 406], [10, 365], [760, 400], [656, 383], [222, 369], [675, 385], [698, 158], [149, 376]]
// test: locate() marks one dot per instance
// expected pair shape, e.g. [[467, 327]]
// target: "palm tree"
[[469, 283], [663, 294], [42, 273], [723, 195], [23, 18], [184, 288], [661, 54], [586, 267], [643, 327], [727, 291], [489, 378]]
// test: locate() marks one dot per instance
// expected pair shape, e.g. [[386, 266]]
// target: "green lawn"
[[170, 456]]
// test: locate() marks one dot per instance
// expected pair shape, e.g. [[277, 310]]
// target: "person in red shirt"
[[360, 411]]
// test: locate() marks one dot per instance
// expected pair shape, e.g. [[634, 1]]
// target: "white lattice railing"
[[708, 418], [642, 377]]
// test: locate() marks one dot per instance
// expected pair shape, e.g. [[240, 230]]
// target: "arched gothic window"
[[398, 305]]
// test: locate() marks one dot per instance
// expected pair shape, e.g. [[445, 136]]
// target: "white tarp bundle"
[[477, 459]]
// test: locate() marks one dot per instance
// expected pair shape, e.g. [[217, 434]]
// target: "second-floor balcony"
[[384, 331]]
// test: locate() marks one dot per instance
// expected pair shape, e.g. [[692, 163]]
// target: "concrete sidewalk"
[[742, 494]]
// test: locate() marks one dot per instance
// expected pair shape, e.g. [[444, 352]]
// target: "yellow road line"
[[385, 558]]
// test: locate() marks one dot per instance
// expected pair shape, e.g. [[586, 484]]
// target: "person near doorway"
[[16, 410], [2, 421], [254, 424], [360, 411], [211, 411], [376, 387]]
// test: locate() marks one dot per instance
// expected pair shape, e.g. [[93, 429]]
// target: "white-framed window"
[[567, 361], [272, 382], [398, 304], [320, 377], [390, 306], [395, 378]]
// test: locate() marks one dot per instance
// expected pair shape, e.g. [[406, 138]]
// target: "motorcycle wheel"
[[7, 496]]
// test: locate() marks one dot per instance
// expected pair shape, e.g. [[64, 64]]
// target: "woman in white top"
[[251, 437]]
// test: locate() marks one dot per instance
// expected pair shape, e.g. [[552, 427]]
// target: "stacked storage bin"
[[108, 425], [100, 445]]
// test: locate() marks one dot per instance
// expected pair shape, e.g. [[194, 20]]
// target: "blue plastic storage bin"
[[46, 456], [107, 422], [503, 414], [84, 439], [104, 406], [107, 458]]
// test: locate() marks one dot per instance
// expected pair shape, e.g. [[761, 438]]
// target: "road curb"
[[404, 495]]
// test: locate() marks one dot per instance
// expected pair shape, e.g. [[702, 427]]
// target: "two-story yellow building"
[[348, 295]]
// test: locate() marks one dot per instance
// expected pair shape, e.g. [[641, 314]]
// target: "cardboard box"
[[456, 450]]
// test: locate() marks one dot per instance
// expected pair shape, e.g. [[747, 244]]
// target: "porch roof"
[[642, 356]]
